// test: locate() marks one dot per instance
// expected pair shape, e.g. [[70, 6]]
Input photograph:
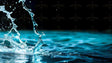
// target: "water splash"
[[20, 46], [14, 28], [35, 25]]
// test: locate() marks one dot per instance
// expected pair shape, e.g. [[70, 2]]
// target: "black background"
[[64, 14]]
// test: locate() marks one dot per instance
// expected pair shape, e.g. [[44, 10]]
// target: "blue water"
[[62, 47]]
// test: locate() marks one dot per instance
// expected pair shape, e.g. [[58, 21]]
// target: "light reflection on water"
[[64, 46], [14, 58]]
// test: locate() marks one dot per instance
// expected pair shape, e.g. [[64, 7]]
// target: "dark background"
[[63, 14]]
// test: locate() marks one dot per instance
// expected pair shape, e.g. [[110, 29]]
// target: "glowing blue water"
[[58, 46], [63, 46]]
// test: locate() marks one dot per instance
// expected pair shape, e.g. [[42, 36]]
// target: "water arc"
[[21, 44]]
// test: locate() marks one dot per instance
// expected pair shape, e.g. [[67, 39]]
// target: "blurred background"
[[78, 15]]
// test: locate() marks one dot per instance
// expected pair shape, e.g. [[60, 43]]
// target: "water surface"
[[60, 47]]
